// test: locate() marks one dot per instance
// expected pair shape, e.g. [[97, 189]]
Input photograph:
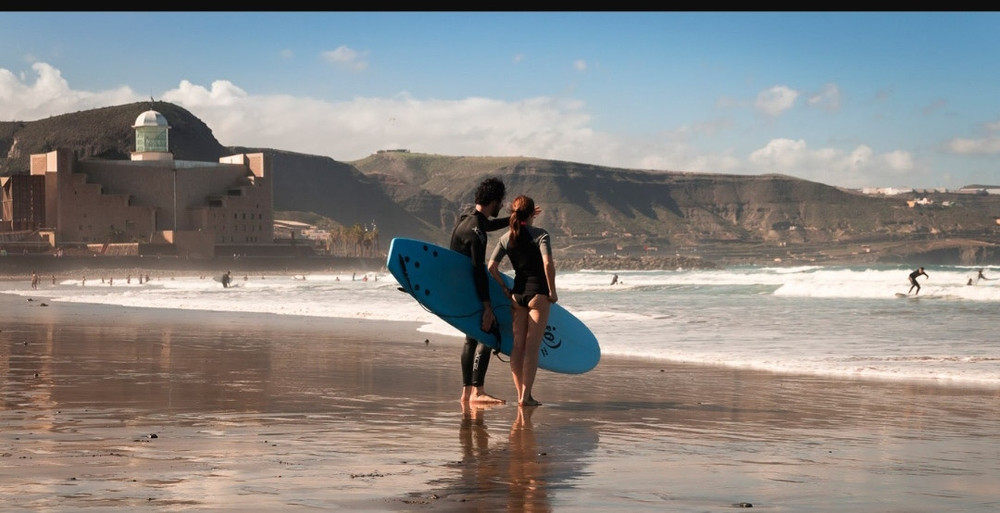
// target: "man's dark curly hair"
[[489, 190]]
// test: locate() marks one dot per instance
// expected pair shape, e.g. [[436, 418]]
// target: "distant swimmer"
[[980, 276], [614, 279], [913, 280]]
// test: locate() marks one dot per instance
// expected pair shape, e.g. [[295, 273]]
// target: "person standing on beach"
[[530, 252], [913, 280], [469, 238], [34, 280]]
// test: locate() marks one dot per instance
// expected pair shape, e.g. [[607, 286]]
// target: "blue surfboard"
[[441, 281]]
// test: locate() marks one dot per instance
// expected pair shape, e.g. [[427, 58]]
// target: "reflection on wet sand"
[[494, 473], [523, 470], [528, 471], [272, 413], [476, 450]]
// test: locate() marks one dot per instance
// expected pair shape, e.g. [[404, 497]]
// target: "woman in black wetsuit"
[[530, 254]]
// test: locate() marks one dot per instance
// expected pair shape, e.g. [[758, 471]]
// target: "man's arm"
[[481, 281], [496, 223]]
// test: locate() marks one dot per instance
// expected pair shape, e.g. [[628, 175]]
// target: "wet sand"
[[107, 408]]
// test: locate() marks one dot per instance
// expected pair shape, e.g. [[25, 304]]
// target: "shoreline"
[[44, 297], [108, 407], [21, 266], [948, 251]]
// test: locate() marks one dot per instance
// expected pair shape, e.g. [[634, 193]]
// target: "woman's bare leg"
[[538, 317], [520, 330]]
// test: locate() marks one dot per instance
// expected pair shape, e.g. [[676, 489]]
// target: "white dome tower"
[[151, 137]]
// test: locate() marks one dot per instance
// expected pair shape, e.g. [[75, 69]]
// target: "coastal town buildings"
[[150, 204]]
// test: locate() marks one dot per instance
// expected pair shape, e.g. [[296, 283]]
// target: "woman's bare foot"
[[483, 397], [530, 402]]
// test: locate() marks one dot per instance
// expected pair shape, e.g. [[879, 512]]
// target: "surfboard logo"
[[550, 340]]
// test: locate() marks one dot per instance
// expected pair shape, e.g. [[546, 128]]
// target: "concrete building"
[[151, 204]]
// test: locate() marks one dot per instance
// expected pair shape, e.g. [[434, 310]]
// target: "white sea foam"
[[844, 321]]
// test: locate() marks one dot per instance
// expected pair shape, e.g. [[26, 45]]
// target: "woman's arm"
[[550, 276], [494, 269]]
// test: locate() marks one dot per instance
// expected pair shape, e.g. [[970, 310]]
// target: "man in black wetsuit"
[[469, 238], [913, 279]]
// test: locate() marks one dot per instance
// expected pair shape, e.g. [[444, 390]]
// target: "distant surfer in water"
[[226, 279], [913, 280], [530, 253], [469, 238], [978, 277], [614, 279]]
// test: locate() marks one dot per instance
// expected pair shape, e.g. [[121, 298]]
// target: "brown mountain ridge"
[[593, 212]]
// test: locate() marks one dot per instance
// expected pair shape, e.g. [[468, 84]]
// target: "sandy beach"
[[107, 408]]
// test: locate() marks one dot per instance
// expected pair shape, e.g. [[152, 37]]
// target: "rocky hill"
[[593, 211], [105, 133], [601, 211]]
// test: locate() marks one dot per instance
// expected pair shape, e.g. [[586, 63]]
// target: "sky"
[[850, 99]]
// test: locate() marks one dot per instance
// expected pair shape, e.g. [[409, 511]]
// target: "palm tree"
[[357, 236], [335, 235], [374, 242]]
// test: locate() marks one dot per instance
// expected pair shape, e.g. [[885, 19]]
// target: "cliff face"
[[600, 210], [592, 210]]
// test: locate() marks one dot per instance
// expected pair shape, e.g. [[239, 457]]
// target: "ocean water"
[[830, 320]]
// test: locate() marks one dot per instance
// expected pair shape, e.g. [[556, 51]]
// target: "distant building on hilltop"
[[885, 191], [295, 230], [980, 189], [150, 204]]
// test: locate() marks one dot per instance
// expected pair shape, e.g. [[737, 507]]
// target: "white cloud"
[[50, 94], [537, 127], [580, 65], [347, 57], [899, 161], [542, 127], [831, 166], [776, 100], [827, 99], [989, 144]]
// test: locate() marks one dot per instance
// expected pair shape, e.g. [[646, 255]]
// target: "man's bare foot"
[[466, 395], [485, 398]]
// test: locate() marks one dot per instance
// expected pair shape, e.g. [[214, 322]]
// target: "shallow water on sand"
[[256, 413]]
